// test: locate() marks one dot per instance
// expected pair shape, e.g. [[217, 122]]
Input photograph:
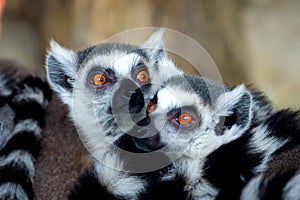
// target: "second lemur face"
[[100, 82], [187, 116]]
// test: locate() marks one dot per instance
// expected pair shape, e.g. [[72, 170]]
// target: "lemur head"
[[193, 116], [99, 83]]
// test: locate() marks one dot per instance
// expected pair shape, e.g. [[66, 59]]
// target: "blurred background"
[[252, 41]]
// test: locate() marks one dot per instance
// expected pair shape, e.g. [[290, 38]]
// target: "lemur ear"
[[61, 66], [154, 46], [236, 107]]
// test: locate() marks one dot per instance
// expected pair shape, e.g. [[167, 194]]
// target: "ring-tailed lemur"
[[225, 136], [98, 84], [22, 105]]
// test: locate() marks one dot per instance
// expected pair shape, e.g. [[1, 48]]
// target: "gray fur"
[[7, 116], [12, 191], [291, 191], [18, 120]]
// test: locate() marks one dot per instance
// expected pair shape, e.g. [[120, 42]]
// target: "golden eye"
[[143, 76], [184, 119], [150, 107], [99, 79]]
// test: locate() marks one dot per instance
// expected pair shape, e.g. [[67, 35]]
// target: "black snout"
[[136, 102], [144, 122], [146, 136], [122, 97], [148, 144], [137, 105]]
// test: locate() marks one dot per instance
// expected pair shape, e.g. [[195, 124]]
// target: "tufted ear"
[[236, 107], [154, 46], [61, 66]]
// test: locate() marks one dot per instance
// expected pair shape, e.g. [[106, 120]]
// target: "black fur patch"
[[166, 190], [126, 143], [88, 187], [285, 124], [225, 166], [83, 54], [195, 83], [141, 53], [26, 141], [36, 82], [17, 174], [2, 101], [29, 110], [57, 75]]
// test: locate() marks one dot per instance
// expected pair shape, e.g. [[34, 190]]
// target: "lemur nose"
[[127, 97], [144, 122], [136, 102]]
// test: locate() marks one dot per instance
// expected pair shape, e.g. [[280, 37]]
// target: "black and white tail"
[[22, 105], [103, 181], [282, 186]]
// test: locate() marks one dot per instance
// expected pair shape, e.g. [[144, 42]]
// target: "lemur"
[[248, 117], [23, 100], [226, 136], [98, 84]]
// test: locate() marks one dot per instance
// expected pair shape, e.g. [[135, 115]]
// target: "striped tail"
[[21, 123], [104, 181], [282, 186]]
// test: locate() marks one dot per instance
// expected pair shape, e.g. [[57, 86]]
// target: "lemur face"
[[187, 114], [100, 82]]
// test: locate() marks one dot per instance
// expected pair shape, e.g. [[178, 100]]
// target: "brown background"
[[251, 41]]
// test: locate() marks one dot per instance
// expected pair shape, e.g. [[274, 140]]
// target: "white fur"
[[204, 191], [12, 191], [201, 145], [68, 59], [224, 107], [28, 125], [291, 191], [31, 94], [124, 64], [191, 169], [229, 135], [251, 190], [124, 61], [65, 56], [88, 126], [4, 91], [227, 100], [155, 41], [260, 143], [167, 69], [175, 97], [119, 183], [19, 157]]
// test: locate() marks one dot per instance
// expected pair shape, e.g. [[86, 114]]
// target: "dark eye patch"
[[173, 117], [137, 69], [107, 72]]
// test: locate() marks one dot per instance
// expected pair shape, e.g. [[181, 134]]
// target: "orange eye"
[[99, 79], [143, 76], [184, 119], [150, 107]]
